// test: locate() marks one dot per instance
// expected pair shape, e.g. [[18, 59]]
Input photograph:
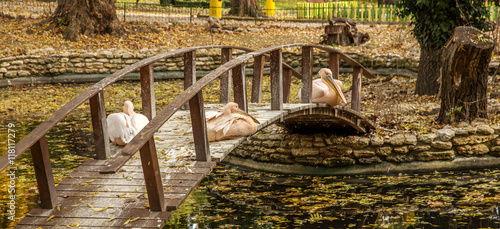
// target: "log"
[[343, 32], [464, 75]]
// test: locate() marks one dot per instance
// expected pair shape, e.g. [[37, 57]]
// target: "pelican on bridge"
[[123, 126], [231, 123], [327, 90]]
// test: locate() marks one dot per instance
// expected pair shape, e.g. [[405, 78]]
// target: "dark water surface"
[[232, 197]]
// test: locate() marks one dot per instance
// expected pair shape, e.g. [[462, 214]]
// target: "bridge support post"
[[356, 88], [189, 71], [199, 126], [333, 63], [43, 173], [276, 80], [307, 69], [196, 110], [100, 126], [258, 76], [152, 176], [148, 92], [239, 87], [287, 83], [225, 79]]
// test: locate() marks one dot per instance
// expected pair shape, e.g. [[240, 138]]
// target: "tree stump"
[[88, 17], [343, 32], [464, 75]]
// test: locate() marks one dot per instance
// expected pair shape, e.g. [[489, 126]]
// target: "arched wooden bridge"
[[120, 190]]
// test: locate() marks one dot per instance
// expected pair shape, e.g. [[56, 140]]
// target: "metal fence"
[[189, 11]]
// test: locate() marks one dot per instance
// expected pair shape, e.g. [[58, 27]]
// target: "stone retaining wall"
[[337, 151], [112, 61]]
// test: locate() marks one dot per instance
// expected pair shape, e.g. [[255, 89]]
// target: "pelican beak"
[[245, 113], [336, 88]]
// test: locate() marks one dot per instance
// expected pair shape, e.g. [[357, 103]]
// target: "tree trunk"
[[428, 72], [244, 8], [86, 17], [464, 80]]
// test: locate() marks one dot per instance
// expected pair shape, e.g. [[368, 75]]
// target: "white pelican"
[[123, 126], [231, 123], [326, 89]]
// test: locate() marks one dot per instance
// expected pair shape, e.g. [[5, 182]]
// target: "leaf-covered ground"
[[21, 37]]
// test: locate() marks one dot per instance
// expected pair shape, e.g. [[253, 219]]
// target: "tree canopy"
[[435, 20]]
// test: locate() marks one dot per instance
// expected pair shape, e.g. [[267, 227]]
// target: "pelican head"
[[128, 108], [327, 76], [232, 108]]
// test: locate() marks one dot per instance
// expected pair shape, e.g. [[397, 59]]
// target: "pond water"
[[232, 197]]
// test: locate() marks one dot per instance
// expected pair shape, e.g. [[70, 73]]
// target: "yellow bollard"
[[216, 8], [270, 6]]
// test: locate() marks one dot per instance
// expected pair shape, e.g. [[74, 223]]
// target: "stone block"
[[401, 150], [484, 130], [338, 161], [445, 134], [473, 150], [304, 152], [383, 151], [411, 140], [400, 158], [472, 139], [426, 138], [396, 140], [369, 160], [363, 153], [376, 140], [435, 155], [336, 151], [356, 142], [441, 145]]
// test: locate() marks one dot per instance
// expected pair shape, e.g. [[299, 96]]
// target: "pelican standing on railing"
[[123, 126], [231, 123], [327, 90]]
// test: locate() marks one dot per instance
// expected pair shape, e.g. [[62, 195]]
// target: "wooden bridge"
[[121, 190]]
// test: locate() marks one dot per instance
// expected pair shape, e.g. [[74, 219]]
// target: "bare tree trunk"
[[464, 85], [244, 8], [428, 72], [86, 17]]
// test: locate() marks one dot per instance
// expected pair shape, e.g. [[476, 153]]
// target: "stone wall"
[[47, 64], [475, 140]]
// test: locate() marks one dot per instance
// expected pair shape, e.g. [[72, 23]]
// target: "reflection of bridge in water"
[[120, 190]]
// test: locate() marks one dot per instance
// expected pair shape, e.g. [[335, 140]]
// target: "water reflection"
[[70, 144], [234, 198]]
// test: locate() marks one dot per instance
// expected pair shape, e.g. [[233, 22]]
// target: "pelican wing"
[[139, 121], [119, 127], [242, 112], [224, 123]]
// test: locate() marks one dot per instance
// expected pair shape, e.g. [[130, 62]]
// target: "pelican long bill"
[[335, 87]]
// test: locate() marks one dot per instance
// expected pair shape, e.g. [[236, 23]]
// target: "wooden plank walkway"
[[89, 199]]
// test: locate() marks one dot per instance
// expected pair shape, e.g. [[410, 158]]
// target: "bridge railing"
[[144, 142]]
